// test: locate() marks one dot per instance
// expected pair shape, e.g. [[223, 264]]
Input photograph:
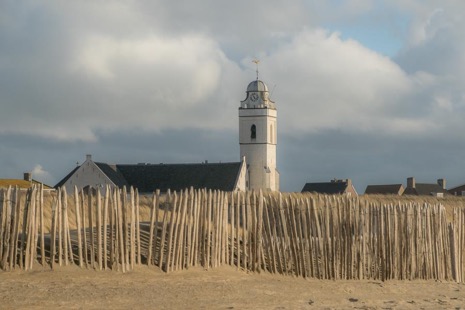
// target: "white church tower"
[[258, 138]]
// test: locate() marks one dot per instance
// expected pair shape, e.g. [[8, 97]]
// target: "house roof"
[[424, 189], [338, 187], [147, 178], [384, 189], [457, 189], [20, 183]]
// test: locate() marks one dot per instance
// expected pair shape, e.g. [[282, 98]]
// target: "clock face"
[[254, 97]]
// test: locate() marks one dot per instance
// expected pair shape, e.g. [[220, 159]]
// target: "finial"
[[256, 61]]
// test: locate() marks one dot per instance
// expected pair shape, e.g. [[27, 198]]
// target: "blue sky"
[[381, 29], [368, 90]]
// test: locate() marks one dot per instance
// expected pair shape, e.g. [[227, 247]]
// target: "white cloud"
[[41, 175], [150, 66], [179, 71], [325, 82]]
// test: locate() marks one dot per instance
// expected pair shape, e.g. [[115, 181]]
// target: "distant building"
[[387, 189], [425, 189], [149, 177], [458, 190], [335, 187], [24, 183]]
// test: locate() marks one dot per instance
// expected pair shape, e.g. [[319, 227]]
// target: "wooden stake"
[[152, 229], [138, 256], [105, 227], [99, 230]]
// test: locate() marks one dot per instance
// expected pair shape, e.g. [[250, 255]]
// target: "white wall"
[[88, 174], [260, 153]]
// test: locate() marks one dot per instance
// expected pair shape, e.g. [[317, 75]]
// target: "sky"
[[369, 90]]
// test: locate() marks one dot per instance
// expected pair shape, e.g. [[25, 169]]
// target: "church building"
[[256, 170]]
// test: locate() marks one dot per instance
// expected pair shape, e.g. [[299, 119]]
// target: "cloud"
[[39, 174], [81, 76], [177, 69], [324, 82], [108, 80]]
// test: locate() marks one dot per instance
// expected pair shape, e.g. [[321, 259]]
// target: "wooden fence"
[[324, 237]]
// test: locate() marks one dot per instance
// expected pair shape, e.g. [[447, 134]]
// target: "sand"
[[222, 288]]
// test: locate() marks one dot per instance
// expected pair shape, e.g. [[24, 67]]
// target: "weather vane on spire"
[[256, 61]]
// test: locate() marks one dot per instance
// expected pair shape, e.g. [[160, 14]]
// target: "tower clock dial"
[[254, 97]]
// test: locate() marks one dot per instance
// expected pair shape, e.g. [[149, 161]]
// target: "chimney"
[[349, 183], [28, 176], [88, 157], [442, 183], [411, 182]]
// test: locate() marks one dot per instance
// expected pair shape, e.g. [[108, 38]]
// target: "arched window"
[[253, 132]]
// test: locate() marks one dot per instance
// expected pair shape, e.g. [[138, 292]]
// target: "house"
[[458, 190], [149, 177], [425, 189], [335, 187], [387, 189], [24, 183]]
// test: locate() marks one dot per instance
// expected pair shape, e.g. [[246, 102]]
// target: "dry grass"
[[50, 199], [146, 202]]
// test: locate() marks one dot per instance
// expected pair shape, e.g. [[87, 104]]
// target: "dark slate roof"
[[63, 181], [384, 189], [330, 188], [113, 174], [424, 189], [148, 177], [457, 190]]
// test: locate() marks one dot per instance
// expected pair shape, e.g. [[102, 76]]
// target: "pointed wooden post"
[[152, 228]]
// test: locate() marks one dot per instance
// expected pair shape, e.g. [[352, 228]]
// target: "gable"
[[66, 178]]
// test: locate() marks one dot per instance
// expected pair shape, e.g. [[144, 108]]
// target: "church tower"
[[258, 138]]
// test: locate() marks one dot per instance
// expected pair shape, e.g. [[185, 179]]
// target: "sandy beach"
[[222, 288]]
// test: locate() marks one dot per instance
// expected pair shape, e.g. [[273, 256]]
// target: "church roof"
[[148, 177], [63, 181], [257, 85], [112, 172]]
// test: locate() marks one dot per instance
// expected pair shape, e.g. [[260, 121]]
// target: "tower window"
[[253, 132]]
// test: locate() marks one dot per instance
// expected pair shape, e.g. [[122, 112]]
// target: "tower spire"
[[256, 61]]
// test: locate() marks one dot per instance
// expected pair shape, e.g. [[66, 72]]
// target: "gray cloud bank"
[[158, 81]]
